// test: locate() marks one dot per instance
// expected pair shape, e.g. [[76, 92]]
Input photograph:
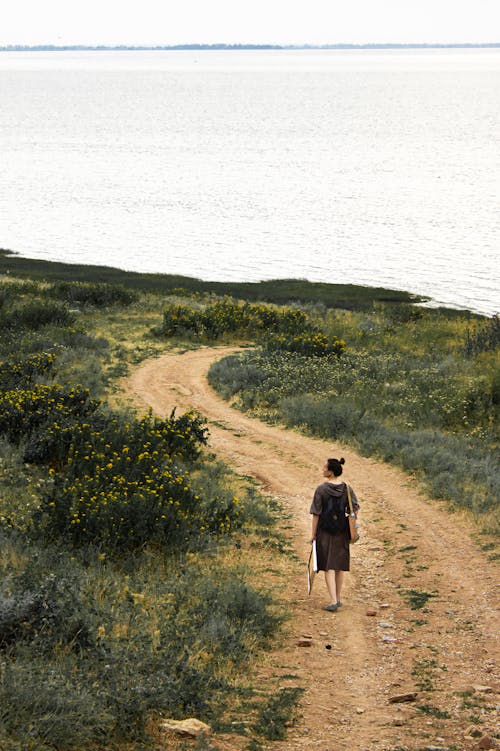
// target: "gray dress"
[[332, 550]]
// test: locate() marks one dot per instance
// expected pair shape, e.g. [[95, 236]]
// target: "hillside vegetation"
[[413, 386], [120, 598]]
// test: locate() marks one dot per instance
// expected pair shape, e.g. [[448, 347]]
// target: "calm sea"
[[371, 167]]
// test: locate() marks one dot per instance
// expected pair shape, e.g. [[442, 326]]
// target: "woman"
[[332, 547]]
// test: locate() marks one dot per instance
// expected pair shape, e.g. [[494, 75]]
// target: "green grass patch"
[[275, 713], [417, 599], [279, 291], [431, 711]]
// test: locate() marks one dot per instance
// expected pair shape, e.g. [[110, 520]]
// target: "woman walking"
[[330, 529]]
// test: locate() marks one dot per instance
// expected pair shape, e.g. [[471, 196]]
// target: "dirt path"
[[357, 662]]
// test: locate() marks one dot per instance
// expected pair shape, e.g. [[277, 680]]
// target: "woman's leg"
[[339, 582], [330, 577]]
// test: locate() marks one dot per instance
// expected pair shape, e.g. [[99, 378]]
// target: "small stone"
[[486, 742], [304, 643], [328, 646], [384, 606], [389, 639], [399, 722], [483, 689], [190, 727], [307, 636], [399, 698], [359, 710], [323, 633], [371, 612], [473, 732], [384, 624]]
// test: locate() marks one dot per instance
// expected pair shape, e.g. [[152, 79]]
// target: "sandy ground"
[[356, 662]]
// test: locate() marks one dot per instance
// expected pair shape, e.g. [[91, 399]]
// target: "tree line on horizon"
[[220, 46]]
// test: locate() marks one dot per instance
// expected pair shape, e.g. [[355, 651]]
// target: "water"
[[369, 167]]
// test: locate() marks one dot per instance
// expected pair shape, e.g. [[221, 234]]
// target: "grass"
[[431, 711], [275, 713], [420, 390], [417, 599], [170, 629], [281, 291], [96, 640]]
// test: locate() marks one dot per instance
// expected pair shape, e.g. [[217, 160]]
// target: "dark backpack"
[[332, 518]]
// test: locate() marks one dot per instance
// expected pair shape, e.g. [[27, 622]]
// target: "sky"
[[165, 22]]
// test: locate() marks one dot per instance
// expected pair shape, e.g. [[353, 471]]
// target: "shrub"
[[18, 372], [276, 713], [49, 706], [311, 344], [451, 467], [181, 320], [484, 337], [233, 373], [97, 295], [34, 314], [158, 640], [24, 411], [230, 316], [121, 487], [49, 612]]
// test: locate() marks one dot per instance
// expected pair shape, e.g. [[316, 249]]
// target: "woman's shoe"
[[331, 608], [339, 603]]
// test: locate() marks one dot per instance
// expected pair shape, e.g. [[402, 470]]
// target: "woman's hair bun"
[[342, 460]]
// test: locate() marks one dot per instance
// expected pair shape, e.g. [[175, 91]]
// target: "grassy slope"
[[140, 598], [128, 340], [347, 296]]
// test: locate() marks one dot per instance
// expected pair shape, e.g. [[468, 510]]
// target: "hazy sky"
[[251, 21]]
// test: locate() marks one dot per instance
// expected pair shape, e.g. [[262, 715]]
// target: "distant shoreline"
[[201, 47]]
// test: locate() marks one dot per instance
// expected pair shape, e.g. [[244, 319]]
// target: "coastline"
[[280, 291]]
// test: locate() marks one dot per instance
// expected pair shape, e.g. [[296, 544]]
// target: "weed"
[[425, 673], [433, 711], [275, 713], [417, 599]]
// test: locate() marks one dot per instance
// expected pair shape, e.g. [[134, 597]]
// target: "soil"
[[418, 569]]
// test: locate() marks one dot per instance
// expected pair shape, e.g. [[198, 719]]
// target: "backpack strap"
[[351, 509]]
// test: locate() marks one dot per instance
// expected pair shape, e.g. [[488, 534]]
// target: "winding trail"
[[355, 662]]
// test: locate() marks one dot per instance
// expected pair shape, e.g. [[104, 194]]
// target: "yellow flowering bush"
[[27, 410], [229, 316], [16, 372], [122, 487], [118, 480], [310, 344]]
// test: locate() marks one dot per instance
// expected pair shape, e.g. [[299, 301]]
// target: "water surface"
[[362, 166]]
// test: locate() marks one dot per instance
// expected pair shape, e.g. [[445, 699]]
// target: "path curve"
[[452, 641]]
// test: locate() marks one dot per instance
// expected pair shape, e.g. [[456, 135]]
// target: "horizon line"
[[244, 46]]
